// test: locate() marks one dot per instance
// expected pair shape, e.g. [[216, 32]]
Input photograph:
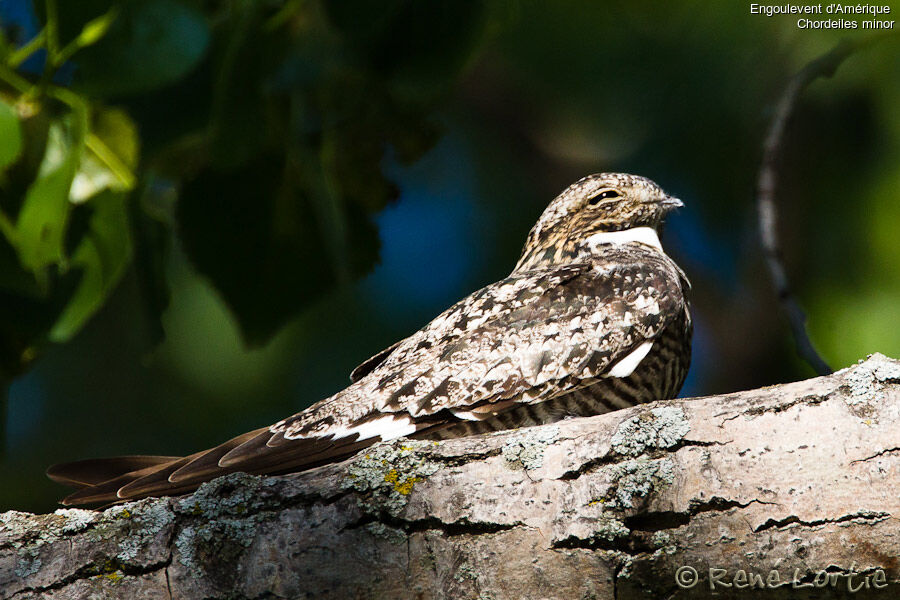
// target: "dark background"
[[312, 181]]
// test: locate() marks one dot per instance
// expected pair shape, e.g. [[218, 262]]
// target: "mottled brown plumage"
[[593, 318]]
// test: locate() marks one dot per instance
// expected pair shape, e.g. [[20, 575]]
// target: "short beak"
[[671, 203]]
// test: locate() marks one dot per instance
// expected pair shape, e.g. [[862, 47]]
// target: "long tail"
[[122, 478]]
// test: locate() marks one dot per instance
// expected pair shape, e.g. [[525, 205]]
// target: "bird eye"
[[604, 195]]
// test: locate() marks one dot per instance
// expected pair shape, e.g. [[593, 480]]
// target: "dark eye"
[[604, 195]]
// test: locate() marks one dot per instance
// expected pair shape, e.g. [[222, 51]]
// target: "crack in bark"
[[874, 517], [661, 520], [637, 542], [755, 411], [809, 400], [876, 455], [612, 457], [631, 545], [458, 460], [452, 529], [731, 418], [168, 583], [700, 443], [94, 569]]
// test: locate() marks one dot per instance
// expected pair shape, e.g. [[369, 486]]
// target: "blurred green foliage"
[[269, 119], [189, 189]]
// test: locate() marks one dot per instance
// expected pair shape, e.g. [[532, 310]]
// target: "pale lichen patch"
[[664, 542], [20, 526], [610, 529], [658, 428], [865, 383], [622, 560], [14, 523], [389, 472], [184, 544], [233, 494], [30, 534], [219, 541], [145, 520], [464, 572], [639, 478], [28, 562], [862, 385], [77, 520], [229, 510], [525, 450], [885, 370]]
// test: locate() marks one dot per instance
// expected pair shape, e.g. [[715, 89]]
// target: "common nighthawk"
[[593, 318]]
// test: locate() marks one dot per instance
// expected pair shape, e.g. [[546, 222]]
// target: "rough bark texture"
[[799, 480]]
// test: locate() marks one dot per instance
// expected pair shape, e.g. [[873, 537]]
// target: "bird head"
[[596, 204]]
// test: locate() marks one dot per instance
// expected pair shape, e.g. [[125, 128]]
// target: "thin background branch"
[[823, 66]]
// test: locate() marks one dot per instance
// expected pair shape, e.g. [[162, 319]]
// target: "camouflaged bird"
[[593, 318]]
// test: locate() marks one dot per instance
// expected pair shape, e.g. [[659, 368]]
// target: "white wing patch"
[[387, 427], [643, 235], [465, 415], [468, 415], [627, 365]]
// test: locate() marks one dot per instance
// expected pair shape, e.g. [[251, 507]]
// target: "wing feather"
[[93, 471], [370, 364]]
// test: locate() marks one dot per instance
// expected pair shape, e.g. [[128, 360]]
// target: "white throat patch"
[[642, 235]]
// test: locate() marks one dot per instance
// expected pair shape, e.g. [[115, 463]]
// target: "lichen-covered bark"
[[796, 485]]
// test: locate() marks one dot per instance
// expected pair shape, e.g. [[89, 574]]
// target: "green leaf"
[[103, 254], [42, 222], [10, 135], [112, 153], [149, 45]]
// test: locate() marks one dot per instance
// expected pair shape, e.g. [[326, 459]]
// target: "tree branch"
[[797, 480], [823, 66]]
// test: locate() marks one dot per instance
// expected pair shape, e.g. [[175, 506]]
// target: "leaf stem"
[[14, 79], [51, 32], [20, 55]]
